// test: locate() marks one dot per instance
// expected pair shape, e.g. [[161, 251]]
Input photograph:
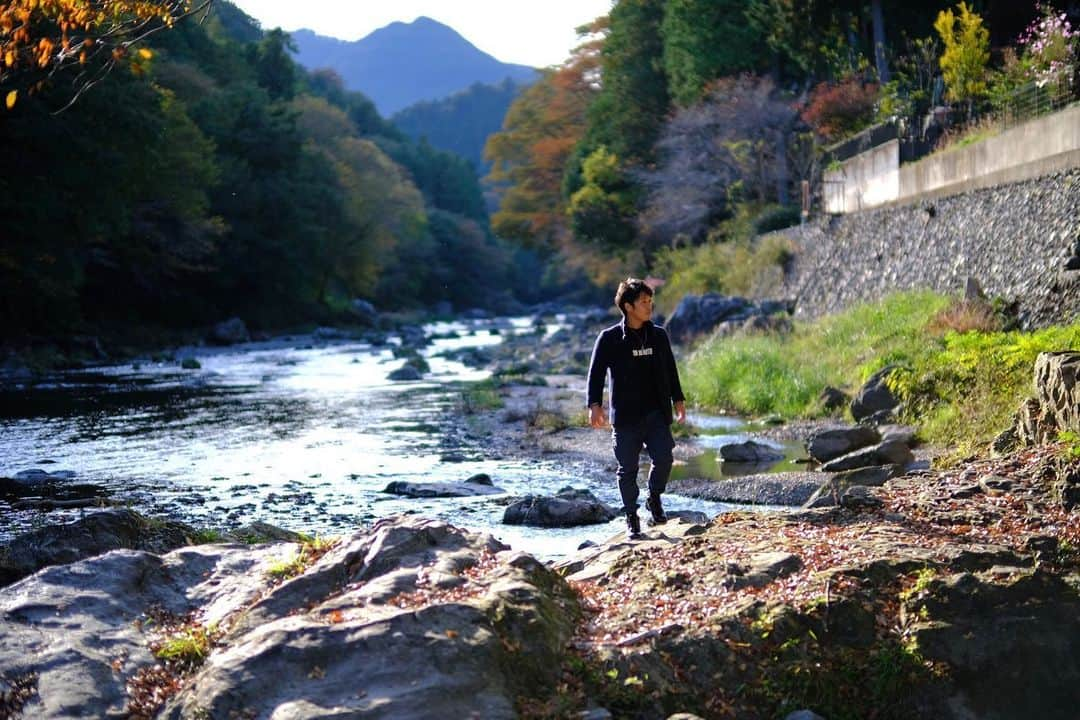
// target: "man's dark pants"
[[653, 433]]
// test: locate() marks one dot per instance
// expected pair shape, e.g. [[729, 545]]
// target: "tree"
[[275, 70], [963, 60], [726, 148], [39, 39], [530, 154], [633, 101], [705, 40]]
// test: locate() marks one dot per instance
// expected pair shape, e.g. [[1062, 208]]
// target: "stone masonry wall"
[[1016, 240]]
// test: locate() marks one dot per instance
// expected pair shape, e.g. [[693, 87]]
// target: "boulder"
[[750, 452], [363, 631], [363, 313], [476, 485], [833, 399], [700, 314], [568, 508], [406, 373], [825, 445], [94, 534], [875, 398], [229, 332], [892, 452]]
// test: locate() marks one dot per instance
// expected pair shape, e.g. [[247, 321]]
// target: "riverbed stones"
[[570, 507]]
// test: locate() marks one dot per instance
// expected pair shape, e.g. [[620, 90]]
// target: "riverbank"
[[942, 593]]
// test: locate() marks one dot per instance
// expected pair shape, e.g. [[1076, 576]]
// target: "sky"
[[515, 31]]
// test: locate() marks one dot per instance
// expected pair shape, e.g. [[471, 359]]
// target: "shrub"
[[838, 109]]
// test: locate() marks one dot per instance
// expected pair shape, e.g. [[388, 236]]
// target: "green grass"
[[959, 388], [188, 647], [759, 374], [481, 396]]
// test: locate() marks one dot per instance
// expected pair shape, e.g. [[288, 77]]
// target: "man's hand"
[[680, 412], [597, 417]]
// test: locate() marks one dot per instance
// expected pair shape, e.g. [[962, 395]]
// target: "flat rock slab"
[[440, 489], [361, 632], [783, 488]]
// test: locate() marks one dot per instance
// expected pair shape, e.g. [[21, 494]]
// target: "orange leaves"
[[39, 36], [10, 99]]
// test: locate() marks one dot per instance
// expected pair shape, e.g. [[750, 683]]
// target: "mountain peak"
[[404, 63]]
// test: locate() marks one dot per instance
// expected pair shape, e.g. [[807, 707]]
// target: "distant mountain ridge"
[[462, 122], [405, 63]]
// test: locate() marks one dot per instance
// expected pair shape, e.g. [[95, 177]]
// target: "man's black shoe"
[[633, 526], [656, 510]]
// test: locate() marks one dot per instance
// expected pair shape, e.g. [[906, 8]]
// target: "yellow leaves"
[[145, 53], [9, 58], [11, 98]]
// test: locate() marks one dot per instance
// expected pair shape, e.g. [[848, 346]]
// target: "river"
[[299, 432]]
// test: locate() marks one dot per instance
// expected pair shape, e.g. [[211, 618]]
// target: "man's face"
[[640, 310]]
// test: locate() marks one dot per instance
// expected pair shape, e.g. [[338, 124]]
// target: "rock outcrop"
[[698, 315], [570, 507], [410, 619]]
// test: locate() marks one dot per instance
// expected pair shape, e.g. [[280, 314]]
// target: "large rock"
[[567, 508], [94, 534], [890, 452], [370, 629], [230, 332], [824, 445], [875, 399], [1055, 407], [363, 312], [750, 452], [701, 314], [476, 485]]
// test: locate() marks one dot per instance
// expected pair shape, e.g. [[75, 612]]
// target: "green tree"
[[965, 55], [275, 70], [627, 114], [705, 40], [602, 210]]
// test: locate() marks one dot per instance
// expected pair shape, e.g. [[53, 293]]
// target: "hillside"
[[405, 63], [462, 122]]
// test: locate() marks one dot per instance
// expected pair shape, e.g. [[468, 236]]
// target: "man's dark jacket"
[[614, 351]]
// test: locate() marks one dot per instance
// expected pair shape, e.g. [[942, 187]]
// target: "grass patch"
[[960, 387], [311, 549], [732, 261], [481, 396], [761, 374], [186, 648]]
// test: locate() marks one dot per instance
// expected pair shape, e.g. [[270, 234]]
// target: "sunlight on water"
[[302, 435]]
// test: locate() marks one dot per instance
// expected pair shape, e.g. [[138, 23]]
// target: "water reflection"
[[305, 435]]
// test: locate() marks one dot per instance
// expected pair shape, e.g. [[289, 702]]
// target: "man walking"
[[644, 385]]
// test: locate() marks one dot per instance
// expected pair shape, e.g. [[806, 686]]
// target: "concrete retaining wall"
[[1014, 239], [875, 178], [869, 179]]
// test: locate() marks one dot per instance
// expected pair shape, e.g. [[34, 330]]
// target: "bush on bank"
[[959, 386]]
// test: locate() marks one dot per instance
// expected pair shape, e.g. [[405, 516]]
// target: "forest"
[[679, 130], [206, 175], [177, 177]]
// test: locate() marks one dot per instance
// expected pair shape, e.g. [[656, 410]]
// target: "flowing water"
[[304, 434]]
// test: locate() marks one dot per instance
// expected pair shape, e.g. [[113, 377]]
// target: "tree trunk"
[[878, 19]]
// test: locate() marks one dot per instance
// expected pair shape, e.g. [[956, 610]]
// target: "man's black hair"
[[629, 291]]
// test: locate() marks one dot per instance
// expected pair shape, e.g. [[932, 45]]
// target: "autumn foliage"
[[840, 108], [39, 37]]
